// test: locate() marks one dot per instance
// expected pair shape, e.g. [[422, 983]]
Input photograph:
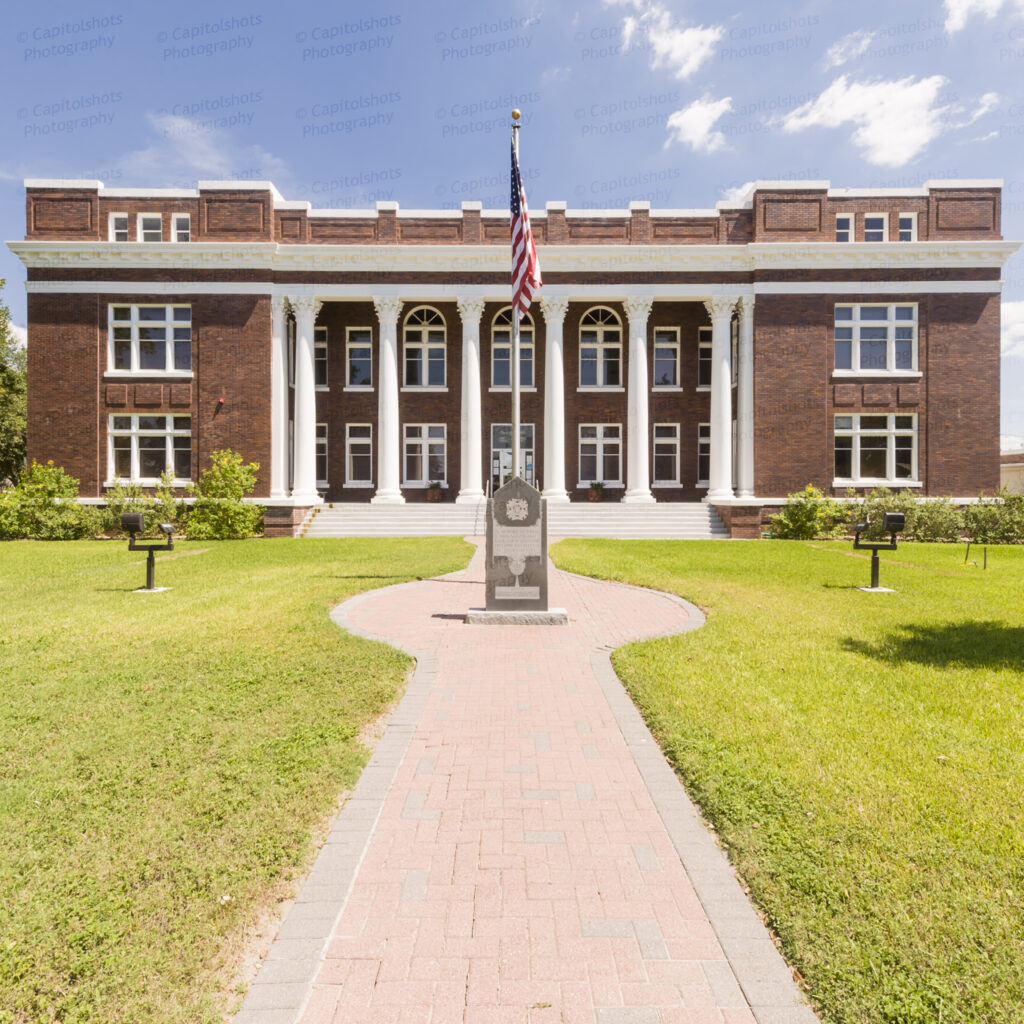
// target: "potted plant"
[[596, 491], [434, 490]]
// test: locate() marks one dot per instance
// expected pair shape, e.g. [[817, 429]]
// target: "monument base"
[[548, 617]]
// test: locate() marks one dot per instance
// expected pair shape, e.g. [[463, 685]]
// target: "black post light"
[[135, 522], [893, 523]]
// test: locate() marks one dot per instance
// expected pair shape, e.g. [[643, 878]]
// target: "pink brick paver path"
[[520, 851]]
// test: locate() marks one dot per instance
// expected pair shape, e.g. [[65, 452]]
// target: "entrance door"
[[501, 453]]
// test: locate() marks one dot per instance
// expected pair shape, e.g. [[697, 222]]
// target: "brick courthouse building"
[[845, 337]]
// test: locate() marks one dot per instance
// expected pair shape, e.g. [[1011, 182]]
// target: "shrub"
[[808, 514], [43, 506], [938, 519], [159, 507], [996, 519], [218, 513], [882, 500]]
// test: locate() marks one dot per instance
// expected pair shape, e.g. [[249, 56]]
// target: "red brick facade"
[[778, 249]]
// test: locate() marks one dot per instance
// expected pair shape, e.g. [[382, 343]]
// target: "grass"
[[860, 755], [165, 759]]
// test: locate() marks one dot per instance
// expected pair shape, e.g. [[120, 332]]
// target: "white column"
[[304, 459], [554, 400], [279, 397], [472, 490], [720, 309], [745, 401], [389, 441], [638, 430]]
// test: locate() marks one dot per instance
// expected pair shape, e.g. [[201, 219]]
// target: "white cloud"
[[958, 11], [895, 120], [1011, 341], [739, 193], [681, 50], [985, 138], [986, 105], [184, 151], [848, 48], [695, 125], [20, 334], [1010, 442]]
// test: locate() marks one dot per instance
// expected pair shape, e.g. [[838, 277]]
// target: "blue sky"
[[679, 103]]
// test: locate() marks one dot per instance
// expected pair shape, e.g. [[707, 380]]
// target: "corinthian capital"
[[554, 308], [306, 305], [388, 308], [279, 305], [720, 307], [638, 308], [470, 309]]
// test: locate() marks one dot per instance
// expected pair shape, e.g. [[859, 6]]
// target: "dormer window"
[[150, 227], [181, 227], [118, 227], [876, 227], [844, 227], [908, 227]]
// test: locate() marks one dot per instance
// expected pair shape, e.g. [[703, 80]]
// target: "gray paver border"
[[279, 994]]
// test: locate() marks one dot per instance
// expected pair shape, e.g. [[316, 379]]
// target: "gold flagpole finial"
[[516, 114]]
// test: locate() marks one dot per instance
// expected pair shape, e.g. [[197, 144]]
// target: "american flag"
[[525, 267]]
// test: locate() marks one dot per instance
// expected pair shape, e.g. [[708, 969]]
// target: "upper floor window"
[[119, 227], [600, 349], [151, 227], [844, 227], [181, 227], [501, 350], [703, 357], [876, 227], [908, 227], [320, 357], [359, 357], [150, 339], [424, 349], [876, 338], [666, 357]]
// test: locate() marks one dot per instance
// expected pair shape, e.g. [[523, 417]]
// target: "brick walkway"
[[517, 850]]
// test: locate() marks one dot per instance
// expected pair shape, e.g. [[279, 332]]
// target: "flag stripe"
[[525, 267]]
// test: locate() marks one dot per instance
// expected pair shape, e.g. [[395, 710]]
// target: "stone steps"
[[664, 520]]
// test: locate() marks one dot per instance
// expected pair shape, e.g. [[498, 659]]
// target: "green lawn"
[[166, 758], [861, 756]]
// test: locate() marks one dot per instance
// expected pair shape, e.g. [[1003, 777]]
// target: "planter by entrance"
[[596, 491], [434, 492]]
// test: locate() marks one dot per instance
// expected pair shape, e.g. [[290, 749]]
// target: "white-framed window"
[[425, 454], [151, 227], [501, 351], [143, 446], [501, 453], [600, 453], [844, 227], [358, 455], [876, 227], [320, 358], [876, 338], [321, 455], [358, 359], [118, 227], [666, 454], [424, 354], [907, 227], [181, 227], [875, 448], [666, 359], [149, 339], [703, 358], [703, 454], [600, 349]]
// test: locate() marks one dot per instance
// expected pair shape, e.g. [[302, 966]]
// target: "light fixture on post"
[[893, 523], [134, 523]]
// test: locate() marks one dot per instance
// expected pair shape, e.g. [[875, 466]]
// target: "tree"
[[12, 400]]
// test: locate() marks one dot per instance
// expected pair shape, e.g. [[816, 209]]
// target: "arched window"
[[600, 349], [424, 348], [501, 350]]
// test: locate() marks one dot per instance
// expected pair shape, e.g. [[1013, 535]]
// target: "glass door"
[[501, 453]]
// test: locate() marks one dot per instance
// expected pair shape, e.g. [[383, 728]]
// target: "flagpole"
[[516, 454]]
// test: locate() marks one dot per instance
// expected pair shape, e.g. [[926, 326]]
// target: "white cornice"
[[270, 256]]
